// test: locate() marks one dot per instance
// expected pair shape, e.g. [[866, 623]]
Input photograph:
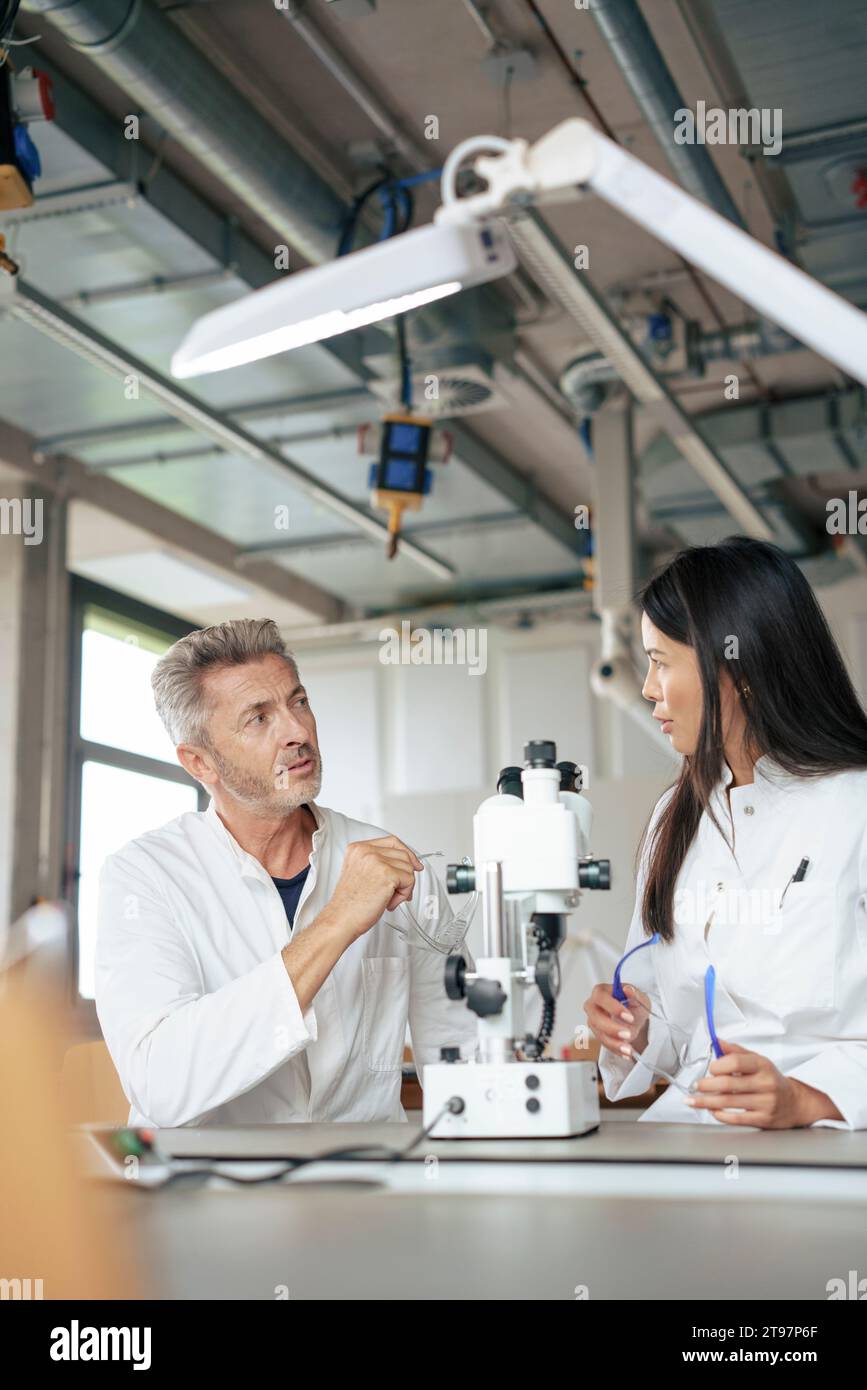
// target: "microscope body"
[[531, 863]]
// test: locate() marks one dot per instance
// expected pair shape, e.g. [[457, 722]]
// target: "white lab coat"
[[197, 1007], [791, 982]]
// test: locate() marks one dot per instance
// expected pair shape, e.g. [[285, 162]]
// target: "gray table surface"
[[612, 1142], [350, 1233]]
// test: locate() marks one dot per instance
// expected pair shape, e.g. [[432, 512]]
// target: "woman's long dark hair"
[[801, 708]]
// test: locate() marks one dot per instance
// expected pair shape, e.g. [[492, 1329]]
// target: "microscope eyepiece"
[[509, 782], [594, 873], [571, 777], [540, 752]]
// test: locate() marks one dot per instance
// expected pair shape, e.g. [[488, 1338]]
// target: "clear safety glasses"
[[435, 932], [693, 1051]]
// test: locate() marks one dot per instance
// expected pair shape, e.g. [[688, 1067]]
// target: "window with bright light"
[[116, 806], [125, 777], [117, 706]]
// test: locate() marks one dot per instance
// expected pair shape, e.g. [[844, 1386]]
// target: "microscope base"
[[497, 1095]]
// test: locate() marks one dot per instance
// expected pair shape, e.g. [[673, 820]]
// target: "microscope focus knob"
[[456, 969], [486, 997]]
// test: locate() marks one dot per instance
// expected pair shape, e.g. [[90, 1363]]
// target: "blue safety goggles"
[[680, 1038]]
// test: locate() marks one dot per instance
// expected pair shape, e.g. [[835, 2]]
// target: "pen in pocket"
[[797, 877]]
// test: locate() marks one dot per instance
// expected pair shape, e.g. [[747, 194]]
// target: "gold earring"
[[745, 691]]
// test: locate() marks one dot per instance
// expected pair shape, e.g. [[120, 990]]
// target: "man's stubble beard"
[[267, 796]]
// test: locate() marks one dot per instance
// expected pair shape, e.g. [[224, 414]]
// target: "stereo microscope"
[[531, 863]]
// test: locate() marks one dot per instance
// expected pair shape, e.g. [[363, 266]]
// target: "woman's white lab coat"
[[791, 981]]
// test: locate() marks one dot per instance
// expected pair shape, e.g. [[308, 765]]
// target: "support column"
[[615, 565], [614, 551], [34, 588]]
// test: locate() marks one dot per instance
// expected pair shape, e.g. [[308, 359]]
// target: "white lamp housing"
[[468, 244], [376, 283]]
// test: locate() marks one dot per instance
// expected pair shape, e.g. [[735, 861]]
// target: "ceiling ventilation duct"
[[636, 53], [138, 47], [456, 382]]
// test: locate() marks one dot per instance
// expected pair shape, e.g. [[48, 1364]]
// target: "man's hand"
[[377, 876], [745, 1088]]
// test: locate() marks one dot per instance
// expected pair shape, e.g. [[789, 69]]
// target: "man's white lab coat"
[[791, 982], [197, 1007]]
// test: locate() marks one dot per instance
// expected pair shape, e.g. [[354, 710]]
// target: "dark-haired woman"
[[750, 993]]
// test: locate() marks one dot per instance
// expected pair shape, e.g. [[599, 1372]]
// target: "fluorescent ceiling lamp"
[[364, 287], [468, 244]]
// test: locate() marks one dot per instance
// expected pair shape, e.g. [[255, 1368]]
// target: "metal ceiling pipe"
[[636, 53], [366, 99], [584, 380], [138, 47], [134, 44]]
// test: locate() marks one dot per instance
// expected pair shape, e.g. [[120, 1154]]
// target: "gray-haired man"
[[246, 971]]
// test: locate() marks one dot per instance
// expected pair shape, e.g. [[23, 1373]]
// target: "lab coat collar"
[[248, 863], [767, 774], [769, 780]]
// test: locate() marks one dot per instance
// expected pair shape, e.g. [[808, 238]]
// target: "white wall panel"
[[437, 741], [345, 703], [546, 694]]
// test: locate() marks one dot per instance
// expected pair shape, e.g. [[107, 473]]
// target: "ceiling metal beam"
[[550, 265], [27, 303], [343, 398], [334, 541], [216, 233], [71, 478], [91, 127], [516, 487]]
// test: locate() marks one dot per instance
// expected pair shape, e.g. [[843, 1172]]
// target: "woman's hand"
[[619, 1027], [745, 1088]]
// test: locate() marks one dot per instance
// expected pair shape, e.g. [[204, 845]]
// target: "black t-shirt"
[[290, 891]]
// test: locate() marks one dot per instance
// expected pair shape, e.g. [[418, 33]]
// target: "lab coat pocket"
[[786, 962], [385, 982]]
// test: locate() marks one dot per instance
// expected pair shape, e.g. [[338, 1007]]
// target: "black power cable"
[[372, 1153]]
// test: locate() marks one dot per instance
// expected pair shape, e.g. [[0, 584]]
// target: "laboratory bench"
[[630, 1210]]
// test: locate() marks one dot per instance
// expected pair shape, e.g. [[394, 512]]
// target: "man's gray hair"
[[177, 677]]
